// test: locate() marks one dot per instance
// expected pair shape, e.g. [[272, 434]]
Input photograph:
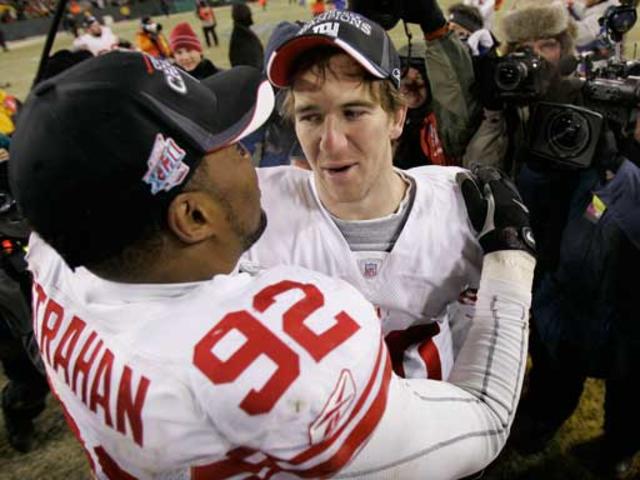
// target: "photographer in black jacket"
[[23, 397]]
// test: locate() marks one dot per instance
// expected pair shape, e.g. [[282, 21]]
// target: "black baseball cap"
[[362, 39], [101, 149]]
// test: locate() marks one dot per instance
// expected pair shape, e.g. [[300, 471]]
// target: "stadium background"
[[57, 455]]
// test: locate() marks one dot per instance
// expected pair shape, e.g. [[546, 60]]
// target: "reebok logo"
[[336, 411]]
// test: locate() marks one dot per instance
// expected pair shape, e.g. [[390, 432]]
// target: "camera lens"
[[509, 75], [568, 134]]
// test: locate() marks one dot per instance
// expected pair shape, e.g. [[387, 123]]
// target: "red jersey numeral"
[[293, 319], [262, 341]]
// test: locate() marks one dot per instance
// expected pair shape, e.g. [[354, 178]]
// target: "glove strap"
[[509, 238]]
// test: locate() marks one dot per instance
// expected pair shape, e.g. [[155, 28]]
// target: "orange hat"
[[183, 36]]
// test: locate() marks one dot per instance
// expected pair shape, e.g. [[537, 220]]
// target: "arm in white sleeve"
[[446, 430]]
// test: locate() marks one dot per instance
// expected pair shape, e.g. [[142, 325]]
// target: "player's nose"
[[333, 137]]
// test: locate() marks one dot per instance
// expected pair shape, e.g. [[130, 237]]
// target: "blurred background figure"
[[165, 7], [3, 43], [70, 23], [245, 47], [208, 21], [487, 9], [151, 40], [8, 108], [587, 14], [263, 4], [317, 7], [187, 52], [97, 38], [464, 20]]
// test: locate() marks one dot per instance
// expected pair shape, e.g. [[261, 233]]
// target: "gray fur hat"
[[534, 19]]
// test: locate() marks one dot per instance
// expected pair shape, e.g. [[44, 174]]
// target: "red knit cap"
[[183, 36]]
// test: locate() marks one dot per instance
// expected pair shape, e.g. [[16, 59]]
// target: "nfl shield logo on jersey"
[[370, 267]]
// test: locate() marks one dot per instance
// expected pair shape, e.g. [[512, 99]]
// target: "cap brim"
[[245, 102], [279, 66]]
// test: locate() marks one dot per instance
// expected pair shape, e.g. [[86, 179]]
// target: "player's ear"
[[194, 217], [397, 122]]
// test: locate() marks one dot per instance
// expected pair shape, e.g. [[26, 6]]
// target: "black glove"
[[496, 210], [426, 13]]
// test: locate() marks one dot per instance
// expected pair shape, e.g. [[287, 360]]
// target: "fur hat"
[[534, 19], [183, 36]]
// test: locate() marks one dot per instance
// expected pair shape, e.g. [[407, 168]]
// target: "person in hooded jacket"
[[245, 47]]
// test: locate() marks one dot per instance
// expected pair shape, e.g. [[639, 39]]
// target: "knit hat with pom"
[[183, 36]]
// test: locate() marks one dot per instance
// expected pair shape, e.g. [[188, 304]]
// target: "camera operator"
[[577, 303], [539, 30], [151, 40], [23, 397]]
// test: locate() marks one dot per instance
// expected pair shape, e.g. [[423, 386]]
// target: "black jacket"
[[204, 69], [245, 47]]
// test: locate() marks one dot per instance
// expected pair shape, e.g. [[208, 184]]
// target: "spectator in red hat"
[[187, 52]]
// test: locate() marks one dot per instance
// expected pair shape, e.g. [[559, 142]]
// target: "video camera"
[[607, 68], [566, 136], [616, 99]]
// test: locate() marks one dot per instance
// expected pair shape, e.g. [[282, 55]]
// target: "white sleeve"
[[445, 430]]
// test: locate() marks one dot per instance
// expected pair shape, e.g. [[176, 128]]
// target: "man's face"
[[234, 183], [462, 33], [187, 58], [345, 135], [95, 29], [548, 48]]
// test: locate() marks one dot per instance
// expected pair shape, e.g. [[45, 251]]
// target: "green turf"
[[58, 455]]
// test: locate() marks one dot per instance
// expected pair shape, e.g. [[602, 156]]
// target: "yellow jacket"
[[156, 46], [8, 108]]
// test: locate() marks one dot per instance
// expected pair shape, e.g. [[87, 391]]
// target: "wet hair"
[[318, 60]]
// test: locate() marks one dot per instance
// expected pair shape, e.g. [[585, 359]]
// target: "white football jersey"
[[414, 287], [282, 372], [106, 42], [280, 376]]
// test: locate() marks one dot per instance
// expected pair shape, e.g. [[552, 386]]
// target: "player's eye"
[[352, 114], [309, 118]]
